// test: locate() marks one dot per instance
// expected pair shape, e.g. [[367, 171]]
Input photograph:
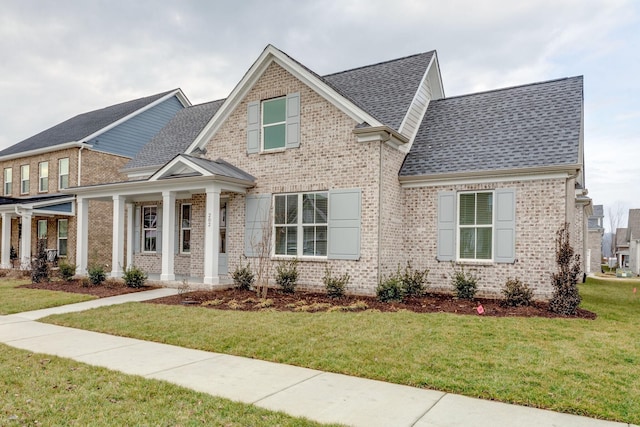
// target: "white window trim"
[[63, 238], [182, 228], [262, 126], [60, 174], [22, 180], [143, 234], [492, 227], [10, 182], [299, 227], [41, 177]]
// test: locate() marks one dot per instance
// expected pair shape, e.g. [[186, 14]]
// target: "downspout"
[[380, 215], [80, 164]]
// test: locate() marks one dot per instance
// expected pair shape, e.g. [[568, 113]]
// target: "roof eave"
[[38, 151], [380, 134]]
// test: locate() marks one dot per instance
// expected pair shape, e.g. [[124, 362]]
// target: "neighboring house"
[[595, 231], [87, 149], [358, 172], [622, 247], [628, 243]]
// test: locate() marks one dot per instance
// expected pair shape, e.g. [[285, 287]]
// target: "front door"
[[223, 266]]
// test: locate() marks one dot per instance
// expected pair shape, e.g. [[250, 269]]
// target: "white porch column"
[[168, 234], [212, 235], [25, 242], [130, 226], [5, 261], [117, 240], [82, 235]]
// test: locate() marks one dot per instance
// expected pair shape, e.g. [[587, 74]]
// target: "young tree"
[[565, 299]]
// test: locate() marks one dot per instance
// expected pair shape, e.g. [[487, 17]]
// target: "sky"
[[67, 57]]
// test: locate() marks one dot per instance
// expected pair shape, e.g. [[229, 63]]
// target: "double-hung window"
[[475, 226], [149, 228], [43, 177], [274, 118], [300, 224], [24, 179], [8, 181], [42, 229], [63, 173], [63, 235], [185, 229]]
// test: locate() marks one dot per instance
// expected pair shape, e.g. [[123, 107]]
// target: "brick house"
[[595, 229], [88, 149], [358, 171]]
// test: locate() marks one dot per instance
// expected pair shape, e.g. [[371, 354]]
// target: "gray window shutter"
[[137, 221], [253, 127], [159, 229], [446, 226], [344, 224], [293, 121], [505, 226], [257, 214]]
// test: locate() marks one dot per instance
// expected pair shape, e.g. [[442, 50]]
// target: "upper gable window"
[[274, 123]]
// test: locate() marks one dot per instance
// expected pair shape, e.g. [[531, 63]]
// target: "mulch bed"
[[235, 299]]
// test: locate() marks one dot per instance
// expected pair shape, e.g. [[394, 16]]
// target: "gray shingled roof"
[[221, 167], [384, 90], [81, 126], [598, 214], [633, 224], [176, 136], [520, 127], [621, 237]]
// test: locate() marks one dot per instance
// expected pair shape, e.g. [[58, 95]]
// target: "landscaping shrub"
[[565, 299], [516, 293], [134, 277], [13, 256], [67, 271], [287, 275], [96, 274], [390, 289], [39, 266], [243, 277], [414, 282], [335, 286], [465, 284]]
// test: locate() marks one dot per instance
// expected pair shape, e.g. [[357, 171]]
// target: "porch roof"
[[53, 204]]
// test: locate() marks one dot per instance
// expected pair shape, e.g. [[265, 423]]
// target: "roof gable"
[[532, 126], [184, 165], [633, 224], [88, 126]]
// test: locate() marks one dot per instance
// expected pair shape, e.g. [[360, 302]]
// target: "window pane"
[[64, 181], [280, 210], [322, 208], [42, 229], [186, 240], [186, 216], [467, 209], [467, 243], [321, 241], [483, 243], [485, 208], [149, 217], [274, 136], [64, 166], [308, 207], [292, 209], [150, 240], [274, 111], [63, 227], [62, 247], [309, 237], [292, 241], [281, 240]]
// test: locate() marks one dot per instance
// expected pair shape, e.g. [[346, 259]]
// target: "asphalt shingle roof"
[[221, 167], [593, 220], [81, 126], [520, 127], [176, 136], [633, 224], [384, 90]]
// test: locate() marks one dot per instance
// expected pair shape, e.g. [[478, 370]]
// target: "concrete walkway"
[[317, 395]]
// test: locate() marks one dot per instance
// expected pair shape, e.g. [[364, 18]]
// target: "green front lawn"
[[16, 300], [45, 390], [576, 366]]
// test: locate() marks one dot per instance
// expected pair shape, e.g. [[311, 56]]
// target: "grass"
[[16, 300], [46, 390], [576, 366]]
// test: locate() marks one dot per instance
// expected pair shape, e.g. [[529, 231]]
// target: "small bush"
[[565, 299], [67, 271], [243, 277], [335, 286], [465, 284], [39, 266], [516, 293], [390, 289], [414, 282], [287, 275], [96, 275], [134, 277]]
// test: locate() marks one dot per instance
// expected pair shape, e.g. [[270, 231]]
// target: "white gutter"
[[72, 144]]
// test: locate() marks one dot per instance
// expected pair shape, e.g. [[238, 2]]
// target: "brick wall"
[[595, 245]]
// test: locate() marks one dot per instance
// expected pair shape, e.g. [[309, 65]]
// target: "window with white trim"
[[300, 224], [63, 173], [8, 181], [475, 225], [149, 228], [42, 229], [274, 123], [185, 228], [43, 177], [63, 236], [24, 179]]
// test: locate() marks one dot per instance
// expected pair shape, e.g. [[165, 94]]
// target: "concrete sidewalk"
[[317, 395]]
